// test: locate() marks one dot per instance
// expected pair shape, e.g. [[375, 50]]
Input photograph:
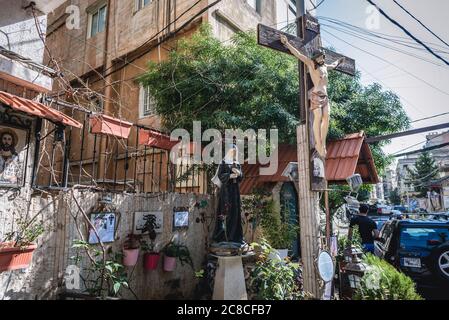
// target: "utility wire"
[[408, 32], [396, 39], [431, 117], [388, 62], [421, 23]]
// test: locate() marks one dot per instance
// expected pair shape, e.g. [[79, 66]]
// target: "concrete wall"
[[44, 278]]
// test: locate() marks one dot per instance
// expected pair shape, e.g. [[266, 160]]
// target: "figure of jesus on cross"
[[319, 100]]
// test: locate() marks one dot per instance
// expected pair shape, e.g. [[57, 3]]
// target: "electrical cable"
[[408, 32], [388, 62], [420, 22]]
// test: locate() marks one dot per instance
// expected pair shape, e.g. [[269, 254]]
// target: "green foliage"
[[337, 193], [102, 276], [394, 197], [425, 170], [343, 242], [179, 251], [274, 280], [276, 227], [26, 233], [382, 281], [244, 85]]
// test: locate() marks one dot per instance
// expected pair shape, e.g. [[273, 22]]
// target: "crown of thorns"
[[318, 53]]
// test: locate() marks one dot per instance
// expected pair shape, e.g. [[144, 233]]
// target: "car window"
[[423, 237], [386, 232]]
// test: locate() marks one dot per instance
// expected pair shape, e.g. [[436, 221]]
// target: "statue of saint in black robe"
[[229, 221]]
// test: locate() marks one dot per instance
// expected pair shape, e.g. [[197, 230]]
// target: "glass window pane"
[[94, 26], [102, 19], [145, 2]]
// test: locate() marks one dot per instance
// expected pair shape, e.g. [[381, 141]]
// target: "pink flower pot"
[[150, 261], [169, 263], [130, 257]]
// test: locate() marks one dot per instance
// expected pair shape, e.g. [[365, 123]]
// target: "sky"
[[422, 82]]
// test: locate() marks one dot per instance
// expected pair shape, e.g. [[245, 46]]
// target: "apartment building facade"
[[103, 56]]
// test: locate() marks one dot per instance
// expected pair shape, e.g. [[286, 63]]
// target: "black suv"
[[419, 248]]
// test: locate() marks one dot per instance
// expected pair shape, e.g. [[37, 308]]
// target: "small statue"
[[319, 101], [228, 227]]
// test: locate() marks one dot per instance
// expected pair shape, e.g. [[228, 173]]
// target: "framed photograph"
[[13, 155], [141, 217], [104, 223], [180, 218]]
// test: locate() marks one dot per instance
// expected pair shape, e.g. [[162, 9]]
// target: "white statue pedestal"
[[229, 281]]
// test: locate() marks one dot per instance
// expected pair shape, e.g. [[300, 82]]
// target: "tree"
[[395, 197], [244, 85], [425, 170]]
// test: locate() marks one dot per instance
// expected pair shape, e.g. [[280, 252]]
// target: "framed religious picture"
[[180, 218], [105, 224], [13, 155], [140, 219]]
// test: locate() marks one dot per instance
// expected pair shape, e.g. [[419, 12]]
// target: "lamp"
[[355, 182], [354, 267]]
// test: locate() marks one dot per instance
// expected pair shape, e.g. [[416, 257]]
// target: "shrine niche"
[[14, 145]]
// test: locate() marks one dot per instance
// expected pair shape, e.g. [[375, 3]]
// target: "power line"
[[396, 39], [431, 117], [386, 61], [439, 146], [408, 32], [409, 54], [419, 21]]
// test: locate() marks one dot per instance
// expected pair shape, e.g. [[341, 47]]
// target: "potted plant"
[[16, 251], [131, 250], [151, 256], [173, 251]]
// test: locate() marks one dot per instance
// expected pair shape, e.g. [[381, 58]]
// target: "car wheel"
[[440, 261]]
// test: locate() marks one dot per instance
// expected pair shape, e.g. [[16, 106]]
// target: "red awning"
[[345, 157], [156, 139], [37, 109], [103, 124]]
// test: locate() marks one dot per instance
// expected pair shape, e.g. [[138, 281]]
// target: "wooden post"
[[308, 216]]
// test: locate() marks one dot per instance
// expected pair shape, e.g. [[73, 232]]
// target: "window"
[[423, 237], [147, 104], [255, 4], [141, 3], [97, 20]]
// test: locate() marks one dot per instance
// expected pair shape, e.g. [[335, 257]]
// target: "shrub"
[[275, 280], [384, 282]]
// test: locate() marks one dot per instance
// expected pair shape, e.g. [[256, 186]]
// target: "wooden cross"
[[310, 42]]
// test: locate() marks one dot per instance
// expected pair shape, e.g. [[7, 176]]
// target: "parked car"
[[420, 249], [403, 209], [380, 214], [379, 209]]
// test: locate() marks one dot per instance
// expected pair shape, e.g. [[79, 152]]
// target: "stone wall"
[[44, 279]]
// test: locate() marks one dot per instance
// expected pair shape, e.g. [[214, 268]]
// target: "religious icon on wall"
[[104, 224], [13, 153]]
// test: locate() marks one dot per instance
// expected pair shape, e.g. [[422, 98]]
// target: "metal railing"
[[80, 158]]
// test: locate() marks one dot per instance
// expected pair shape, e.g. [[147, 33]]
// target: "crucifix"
[[314, 96], [311, 133]]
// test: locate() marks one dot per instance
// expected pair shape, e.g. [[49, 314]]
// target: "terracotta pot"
[[103, 124], [150, 261], [169, 263], [12, 258], [130, 257]]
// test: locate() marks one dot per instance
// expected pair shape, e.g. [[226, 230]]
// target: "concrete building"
[[441, 157], [104, 54]]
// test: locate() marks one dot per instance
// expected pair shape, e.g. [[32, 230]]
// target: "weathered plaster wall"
[[44, 278]]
